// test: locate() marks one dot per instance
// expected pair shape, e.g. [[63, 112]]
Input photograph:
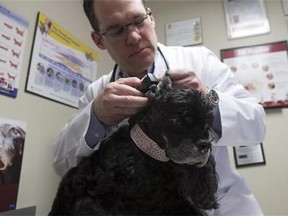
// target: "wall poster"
[[13, 34], [262, 70], [12, 139], [61, 67], [245, 18]]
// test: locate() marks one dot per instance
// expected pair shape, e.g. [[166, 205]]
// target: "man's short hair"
[[90, 13]]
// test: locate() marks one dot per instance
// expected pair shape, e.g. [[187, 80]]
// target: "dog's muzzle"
[[191, 153]]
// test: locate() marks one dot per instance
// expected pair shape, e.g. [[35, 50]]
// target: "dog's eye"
[[202, 142], [178, 122]]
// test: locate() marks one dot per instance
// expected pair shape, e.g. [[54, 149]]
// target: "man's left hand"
[[186, 79]]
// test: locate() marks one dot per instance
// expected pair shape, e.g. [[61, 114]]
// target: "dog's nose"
[[203, 146]]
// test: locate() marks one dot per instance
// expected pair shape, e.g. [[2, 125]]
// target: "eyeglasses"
[[118, 33]]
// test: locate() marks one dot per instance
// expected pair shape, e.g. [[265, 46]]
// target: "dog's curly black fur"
[[120, 179]]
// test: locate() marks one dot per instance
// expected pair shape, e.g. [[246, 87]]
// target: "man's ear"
[[97, 40]]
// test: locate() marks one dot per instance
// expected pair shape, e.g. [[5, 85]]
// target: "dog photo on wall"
[[12, 139], [160, 163]]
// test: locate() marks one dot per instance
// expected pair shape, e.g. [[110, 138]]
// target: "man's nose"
[[133, 34]]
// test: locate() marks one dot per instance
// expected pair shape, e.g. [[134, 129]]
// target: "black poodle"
[[159, 164]]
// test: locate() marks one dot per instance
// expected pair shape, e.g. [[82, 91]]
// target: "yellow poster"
[[61, 66]]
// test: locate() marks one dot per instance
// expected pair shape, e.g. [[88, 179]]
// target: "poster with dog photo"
[[12, 139], [61, 66]]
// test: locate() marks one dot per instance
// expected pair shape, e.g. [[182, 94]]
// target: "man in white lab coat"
[[126, 29]]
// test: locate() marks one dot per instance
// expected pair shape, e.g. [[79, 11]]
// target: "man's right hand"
[[119, 100]]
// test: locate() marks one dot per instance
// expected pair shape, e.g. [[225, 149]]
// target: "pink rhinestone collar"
[[147, 145]]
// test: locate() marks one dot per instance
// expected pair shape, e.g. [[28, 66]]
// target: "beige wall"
[[269, 183], [45, 118]]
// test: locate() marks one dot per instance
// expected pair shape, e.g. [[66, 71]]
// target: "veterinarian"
[[126, 29]]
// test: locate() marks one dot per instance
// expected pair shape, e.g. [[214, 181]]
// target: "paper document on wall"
[[13, 34]]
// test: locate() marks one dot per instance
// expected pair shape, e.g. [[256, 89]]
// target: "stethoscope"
[[113, 77]]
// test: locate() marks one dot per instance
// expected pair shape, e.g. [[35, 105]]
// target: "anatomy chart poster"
[[12, 139], [13, 34], [61, 67]]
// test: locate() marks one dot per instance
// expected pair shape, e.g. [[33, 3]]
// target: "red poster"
[[262, 70]]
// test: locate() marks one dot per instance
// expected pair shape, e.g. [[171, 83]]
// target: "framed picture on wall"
[[262, 70], [245, 18], [61, 67], [184, 33], [285, 6], [249, 155]]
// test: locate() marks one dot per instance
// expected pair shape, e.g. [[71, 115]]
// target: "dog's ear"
[[152, 89], [152, 92], [200, 190], [165, 84], [139, 117]]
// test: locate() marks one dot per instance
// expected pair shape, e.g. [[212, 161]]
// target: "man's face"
[[135, 52]]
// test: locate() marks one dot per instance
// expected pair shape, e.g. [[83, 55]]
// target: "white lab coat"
[[242, 118]]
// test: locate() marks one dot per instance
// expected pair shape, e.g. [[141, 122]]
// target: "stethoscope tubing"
[[113, 77]]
